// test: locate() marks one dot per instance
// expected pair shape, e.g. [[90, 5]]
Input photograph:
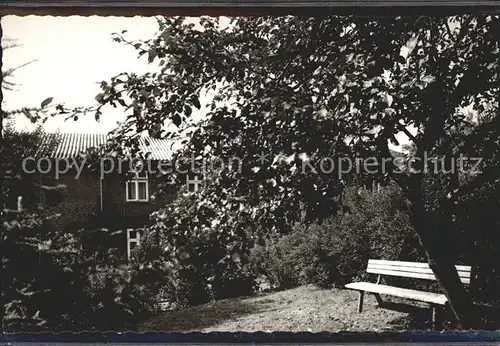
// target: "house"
[[112, 194], [113, 198]]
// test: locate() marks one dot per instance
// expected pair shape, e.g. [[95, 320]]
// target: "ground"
[[306, 308]]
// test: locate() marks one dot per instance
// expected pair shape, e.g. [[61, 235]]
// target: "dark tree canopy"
[[337, 86]]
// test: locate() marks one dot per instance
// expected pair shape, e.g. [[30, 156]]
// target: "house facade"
[[116, 195]]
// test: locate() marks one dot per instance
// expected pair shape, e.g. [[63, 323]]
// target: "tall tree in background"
[[23, 231], [374, 78]]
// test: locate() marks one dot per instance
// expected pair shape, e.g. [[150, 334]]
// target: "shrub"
[[199, 266], [336, 251], [278, 259], [125, 293], [56, 283]]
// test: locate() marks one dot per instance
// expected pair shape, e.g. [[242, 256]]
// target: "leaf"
[[152, 55], [174, 98], [176, 119], [196, 102], [100, 98], [188, 110], [46, 102]]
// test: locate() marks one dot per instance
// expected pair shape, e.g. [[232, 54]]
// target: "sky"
[[73, 55]]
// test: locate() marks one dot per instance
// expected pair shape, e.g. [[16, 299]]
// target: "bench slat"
[[414, 264], [429, 297], [462, 274], [408, 274]]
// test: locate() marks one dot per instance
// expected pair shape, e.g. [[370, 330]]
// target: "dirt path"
[[306, 308]]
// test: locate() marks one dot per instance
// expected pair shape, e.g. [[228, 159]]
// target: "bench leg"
[[434, 317], [380, 302], [360, 301]]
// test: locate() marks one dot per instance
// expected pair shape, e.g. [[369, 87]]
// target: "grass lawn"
[[305, 308]]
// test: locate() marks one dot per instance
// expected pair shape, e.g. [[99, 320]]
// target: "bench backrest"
[[417, 270]]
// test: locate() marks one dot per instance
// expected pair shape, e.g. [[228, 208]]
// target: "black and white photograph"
[[274, 173]]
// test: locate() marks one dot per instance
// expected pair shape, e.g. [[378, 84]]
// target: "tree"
[[253, 186], [372, 78], [42, 279], [25, 236], [14, 146], [8, 73]]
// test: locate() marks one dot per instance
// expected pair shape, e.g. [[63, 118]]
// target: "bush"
[[203, 267], [60, 282], [127, 293], [279, 260], [336, 251]]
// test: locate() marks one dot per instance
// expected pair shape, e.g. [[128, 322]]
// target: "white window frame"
[[196, 182], [135, 182], [132, 240]]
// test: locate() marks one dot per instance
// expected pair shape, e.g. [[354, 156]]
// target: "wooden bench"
[[416, 270]]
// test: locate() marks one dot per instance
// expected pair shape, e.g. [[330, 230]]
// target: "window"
[[133, 239], [137, 188], [194, 184]]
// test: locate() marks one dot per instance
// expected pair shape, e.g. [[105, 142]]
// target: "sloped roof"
[[69, 145]]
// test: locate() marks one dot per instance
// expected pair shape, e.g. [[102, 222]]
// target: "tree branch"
[[407, 133]]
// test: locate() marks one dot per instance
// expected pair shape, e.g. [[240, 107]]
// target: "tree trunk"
[[436, 246]]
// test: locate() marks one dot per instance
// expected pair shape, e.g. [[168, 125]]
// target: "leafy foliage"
[[203, 262], [372, 77], [60, 280], [372, 225], [56, 285]]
